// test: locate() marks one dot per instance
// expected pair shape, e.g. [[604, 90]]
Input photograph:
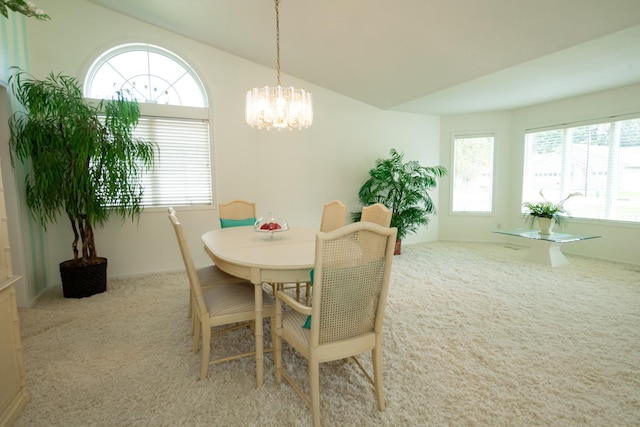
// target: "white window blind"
[[601, 161], [182, 168]]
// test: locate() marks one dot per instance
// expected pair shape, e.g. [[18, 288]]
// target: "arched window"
[[174, 114], [150, 73]]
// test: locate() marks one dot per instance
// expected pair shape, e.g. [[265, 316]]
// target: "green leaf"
[[80, 159], [403, 187]]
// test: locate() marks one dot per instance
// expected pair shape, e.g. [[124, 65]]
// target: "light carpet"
[[473, 337]]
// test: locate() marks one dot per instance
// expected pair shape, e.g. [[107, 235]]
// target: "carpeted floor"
[[473, 337]]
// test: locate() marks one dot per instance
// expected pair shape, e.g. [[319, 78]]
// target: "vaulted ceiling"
[[422, 56]]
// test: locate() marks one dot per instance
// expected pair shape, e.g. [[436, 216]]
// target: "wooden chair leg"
[[277, 342], [206, 351], [314, 390], [196, 335], [192, 314], [376, 358]]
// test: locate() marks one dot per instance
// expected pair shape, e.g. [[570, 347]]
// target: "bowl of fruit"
[[271, 225]]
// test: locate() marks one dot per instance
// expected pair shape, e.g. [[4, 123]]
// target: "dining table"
[[262, 258]]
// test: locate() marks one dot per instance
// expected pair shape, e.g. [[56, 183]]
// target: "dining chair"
[[351, 280], [208, 277], [236, 213], [229, 304], [377, 213], [333, 216]]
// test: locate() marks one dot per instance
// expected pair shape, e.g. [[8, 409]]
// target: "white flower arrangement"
[[26, 8], [547, 209]]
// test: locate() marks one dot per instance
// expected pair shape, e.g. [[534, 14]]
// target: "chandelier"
[[278, 107]]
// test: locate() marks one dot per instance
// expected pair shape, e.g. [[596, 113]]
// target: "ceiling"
[[423, 56]]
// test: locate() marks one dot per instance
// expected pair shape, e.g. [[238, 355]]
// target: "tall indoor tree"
[[80, 158]]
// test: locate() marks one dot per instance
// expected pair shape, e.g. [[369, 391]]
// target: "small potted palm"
[[81, 159], [403, 187], [547, 213]]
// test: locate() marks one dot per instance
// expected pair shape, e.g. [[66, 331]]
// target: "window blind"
[[182, 169]]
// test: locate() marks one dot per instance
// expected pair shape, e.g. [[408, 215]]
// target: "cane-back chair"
[[237, 213], [229, 304], [333, 216], [376, 213], [351, 279], [208, 277]]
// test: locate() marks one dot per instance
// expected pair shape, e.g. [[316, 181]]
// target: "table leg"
[[546, 252], [257, 283]]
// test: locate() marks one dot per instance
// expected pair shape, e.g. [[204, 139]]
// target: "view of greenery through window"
[[472, 173], [600, 161]]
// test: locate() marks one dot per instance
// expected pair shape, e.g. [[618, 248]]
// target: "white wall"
[[290, 173], [619, 241]]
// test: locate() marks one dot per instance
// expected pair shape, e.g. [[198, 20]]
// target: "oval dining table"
[[262, 257]]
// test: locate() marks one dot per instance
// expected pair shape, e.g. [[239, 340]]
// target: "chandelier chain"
[[277, 2]]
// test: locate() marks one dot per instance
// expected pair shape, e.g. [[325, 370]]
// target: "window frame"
[[109, 54], [154, 110], [468, 135]]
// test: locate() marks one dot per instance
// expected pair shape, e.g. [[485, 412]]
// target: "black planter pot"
[[81, 281]]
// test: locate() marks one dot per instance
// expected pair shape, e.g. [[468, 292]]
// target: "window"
[[601, 161], [174, 114], [472, 173], [151, 74]]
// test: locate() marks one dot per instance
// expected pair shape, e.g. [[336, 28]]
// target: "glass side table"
[[545, 248]]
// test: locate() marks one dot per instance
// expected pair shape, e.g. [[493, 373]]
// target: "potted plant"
[[80, 158], [547, 213], [403, 187]]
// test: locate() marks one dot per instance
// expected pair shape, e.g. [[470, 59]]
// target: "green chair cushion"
[[307, 323], [225, 223]]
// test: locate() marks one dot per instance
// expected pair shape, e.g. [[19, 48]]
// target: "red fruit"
[[264, 226], [272, 226], [277, 226]]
